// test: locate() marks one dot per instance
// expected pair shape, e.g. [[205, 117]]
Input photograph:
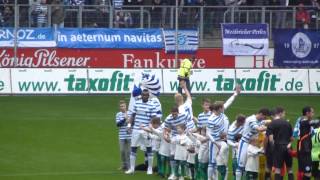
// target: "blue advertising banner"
[[296, 48], [188, 41], [27, 37], [245, 39], [110, 38]]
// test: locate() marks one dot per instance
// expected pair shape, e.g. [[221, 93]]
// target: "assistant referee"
[[185, 72]]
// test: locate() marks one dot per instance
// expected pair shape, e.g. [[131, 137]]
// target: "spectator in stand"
[[33, 6], [57, 14], [302, 17], [157, 15], [315, 13], [42, 14], [8, 17], [123, 20], [281, 15], [72, 16]]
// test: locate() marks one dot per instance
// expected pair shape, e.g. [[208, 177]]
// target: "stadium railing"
[[206, 19]]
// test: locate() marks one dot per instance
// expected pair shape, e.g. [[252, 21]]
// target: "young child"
[[222, 158], [203, 153], [252, 164], [180, 155], [122, 119], [155, 129]]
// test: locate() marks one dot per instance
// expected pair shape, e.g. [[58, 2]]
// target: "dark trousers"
[[187, 83]]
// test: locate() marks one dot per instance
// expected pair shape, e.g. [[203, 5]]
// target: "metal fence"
[[206, 19]]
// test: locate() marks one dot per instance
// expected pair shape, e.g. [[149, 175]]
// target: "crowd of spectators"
[[126, 13]]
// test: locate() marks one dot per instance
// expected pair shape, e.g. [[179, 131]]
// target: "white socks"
[[150, 161], [238, 175], [132, 161], [212, 173]]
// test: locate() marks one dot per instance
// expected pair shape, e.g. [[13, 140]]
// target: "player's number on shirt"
[[317, 137]]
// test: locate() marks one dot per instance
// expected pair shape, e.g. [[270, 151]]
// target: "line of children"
[[202, 151]]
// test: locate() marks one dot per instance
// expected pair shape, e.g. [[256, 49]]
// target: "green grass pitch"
[[75, 137]]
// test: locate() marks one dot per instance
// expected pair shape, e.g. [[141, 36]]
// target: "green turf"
[[75, 137]]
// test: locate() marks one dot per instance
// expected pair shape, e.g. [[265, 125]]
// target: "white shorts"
[[140, 138], [242, 154], [213, 153]]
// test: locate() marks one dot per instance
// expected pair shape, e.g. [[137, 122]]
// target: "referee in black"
[[280, 138]]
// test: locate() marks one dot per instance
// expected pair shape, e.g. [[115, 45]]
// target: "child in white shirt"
[[203, 154], [163, 148], [252, 164], [181, 154]]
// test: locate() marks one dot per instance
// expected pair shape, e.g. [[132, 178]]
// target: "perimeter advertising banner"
[[273, 80], [109, 58], [120, 81], [28, 37], [314, 75], [5, 81], [74, 81]]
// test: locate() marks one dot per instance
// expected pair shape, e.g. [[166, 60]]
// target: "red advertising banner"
[[108, 58]]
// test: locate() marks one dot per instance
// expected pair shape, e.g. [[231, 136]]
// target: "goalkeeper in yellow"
[[185, 72]]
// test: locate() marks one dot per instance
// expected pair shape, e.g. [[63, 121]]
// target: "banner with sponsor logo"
[[314, 77], [202, 81], [188, 41], [27, 37], [109, 58], [245, 39], [110, 38], [74, 81], [5, 85], [119, 81], [296, 48], [273, 80]]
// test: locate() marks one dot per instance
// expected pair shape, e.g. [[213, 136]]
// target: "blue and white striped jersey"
[[216, 125], [203, 119], [144, 112], [249, 128], [186, 109], [42, 10], [233, 131], [158, 107], [122, 125], [171, 123]]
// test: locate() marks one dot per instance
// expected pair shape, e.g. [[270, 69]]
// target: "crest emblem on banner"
[[301, 45]]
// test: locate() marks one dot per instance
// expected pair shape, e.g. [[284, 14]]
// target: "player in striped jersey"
[[253, 125], [185, 107], [142, 113], [203, 117], [235, 129], [171, 122], [214, 130], [122, 118]]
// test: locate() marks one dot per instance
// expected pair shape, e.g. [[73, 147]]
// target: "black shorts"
[[315, 169], [269, 159], [304, 162], [281, 156]]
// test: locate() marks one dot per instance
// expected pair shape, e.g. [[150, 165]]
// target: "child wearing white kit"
[[252, 164]]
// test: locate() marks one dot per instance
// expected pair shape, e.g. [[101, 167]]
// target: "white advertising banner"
[[117, 80], [273, 80], [202, 81], [49, 81], [120, 81], [314, 80], [5, 81]]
